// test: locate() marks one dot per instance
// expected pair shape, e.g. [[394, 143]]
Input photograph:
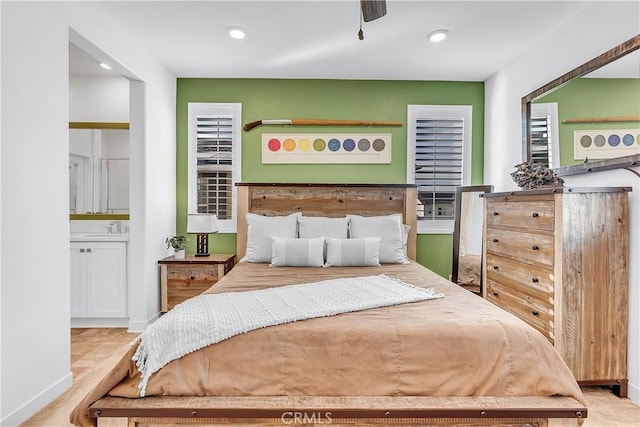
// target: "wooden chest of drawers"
[[558, 259], [181, 279]]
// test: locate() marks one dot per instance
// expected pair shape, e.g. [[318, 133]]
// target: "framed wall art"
[[326, 148]]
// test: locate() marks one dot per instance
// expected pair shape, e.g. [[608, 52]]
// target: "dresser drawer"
[[535, 281], [532, 247], [533, 311], [530, 215]]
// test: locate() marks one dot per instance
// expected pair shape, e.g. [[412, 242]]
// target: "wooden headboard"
[[333, 200]]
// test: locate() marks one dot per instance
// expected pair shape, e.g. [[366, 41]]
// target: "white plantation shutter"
[[544, 134], [540, 140], [215, 144], [214, 165], [439, 159]]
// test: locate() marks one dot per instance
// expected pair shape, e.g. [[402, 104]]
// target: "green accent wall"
[[366, 100], [591, 97]]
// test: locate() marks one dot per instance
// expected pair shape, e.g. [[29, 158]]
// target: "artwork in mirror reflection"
[[468, 238], [98, 171]]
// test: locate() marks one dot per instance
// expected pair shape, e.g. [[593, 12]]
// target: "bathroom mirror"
[[98, 168], [467, 237], [615, 118]]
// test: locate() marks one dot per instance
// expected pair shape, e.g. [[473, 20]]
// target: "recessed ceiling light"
[[437, 36], [237, 33], [105, 66]]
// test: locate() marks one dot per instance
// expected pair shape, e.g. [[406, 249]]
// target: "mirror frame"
[[609, 56], [456, 227]]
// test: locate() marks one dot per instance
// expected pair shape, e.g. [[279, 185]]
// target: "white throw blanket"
[[208, 319]]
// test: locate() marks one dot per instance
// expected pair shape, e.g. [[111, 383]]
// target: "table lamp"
[[202, 225]]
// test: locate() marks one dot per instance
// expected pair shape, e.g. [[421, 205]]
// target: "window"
[[214, 160], [544, 134], [438, 161]]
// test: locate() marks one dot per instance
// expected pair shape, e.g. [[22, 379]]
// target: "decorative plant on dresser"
[[558, 259]]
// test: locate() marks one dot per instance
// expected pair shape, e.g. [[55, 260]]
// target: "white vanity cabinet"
[[98, 283]]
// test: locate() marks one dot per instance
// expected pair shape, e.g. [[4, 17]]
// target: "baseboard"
[[634, 393], [140, 326], [27, 410], [79, 322]]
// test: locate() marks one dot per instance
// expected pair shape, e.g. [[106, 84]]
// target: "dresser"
[[558, 259], [183, 278]]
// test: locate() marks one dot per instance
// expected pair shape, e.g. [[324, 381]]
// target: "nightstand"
[[181, 279]]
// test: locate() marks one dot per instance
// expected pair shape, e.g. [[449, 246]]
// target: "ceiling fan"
[[371, 10]]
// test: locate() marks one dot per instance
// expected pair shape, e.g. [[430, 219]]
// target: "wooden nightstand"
[[181, 279]]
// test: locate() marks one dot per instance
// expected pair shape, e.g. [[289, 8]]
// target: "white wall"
[[578, 40], [98, 99], [34, 315]]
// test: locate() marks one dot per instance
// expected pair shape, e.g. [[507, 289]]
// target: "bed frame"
[[334, 200]]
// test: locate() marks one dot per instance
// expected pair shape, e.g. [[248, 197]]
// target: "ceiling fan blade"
[[373, 9]]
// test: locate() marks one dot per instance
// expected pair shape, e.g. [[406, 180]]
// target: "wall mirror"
[[597, 115], [98, 168], [467, 237]]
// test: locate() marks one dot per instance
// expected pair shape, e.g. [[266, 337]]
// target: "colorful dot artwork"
[[326, 148], [605, 144]]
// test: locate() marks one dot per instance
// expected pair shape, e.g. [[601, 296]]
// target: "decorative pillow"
[[261, 229], [363, 252], [297, 252], [406, 229], [390, 230], [316, 226]]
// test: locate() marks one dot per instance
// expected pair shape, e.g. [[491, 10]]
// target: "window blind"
[[541, 140], [438, 165], [214, 152]]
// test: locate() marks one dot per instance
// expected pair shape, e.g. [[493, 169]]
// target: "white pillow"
[[406, 229], [316, 226], [389, 228], [261, 229], [297, 252], [363, 252]]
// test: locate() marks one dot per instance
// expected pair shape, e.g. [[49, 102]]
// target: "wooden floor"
[[94, 351]]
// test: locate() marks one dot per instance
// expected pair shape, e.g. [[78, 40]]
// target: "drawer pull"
[[535, 247], [534, 312], [192, 277], [495, 240], [535, 215], [495, 213], [534, 280], [495, 267], [495, 293]]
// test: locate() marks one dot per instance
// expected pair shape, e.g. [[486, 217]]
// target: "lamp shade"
[[202, 223]]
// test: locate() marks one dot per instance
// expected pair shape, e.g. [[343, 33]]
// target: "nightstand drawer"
[[536, 248], [538, 215], [186, 276], [535, 312]]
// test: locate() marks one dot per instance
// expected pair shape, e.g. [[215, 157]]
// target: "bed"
[[469, 268], [458, 360]]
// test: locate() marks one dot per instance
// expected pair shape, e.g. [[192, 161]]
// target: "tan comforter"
[[459, 345]]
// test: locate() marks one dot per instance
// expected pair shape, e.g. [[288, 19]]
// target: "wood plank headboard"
[[333, 200]]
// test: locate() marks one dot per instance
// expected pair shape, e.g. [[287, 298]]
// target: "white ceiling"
[[318, 39]]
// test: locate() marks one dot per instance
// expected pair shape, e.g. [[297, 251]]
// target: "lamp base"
[[202, 247]]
